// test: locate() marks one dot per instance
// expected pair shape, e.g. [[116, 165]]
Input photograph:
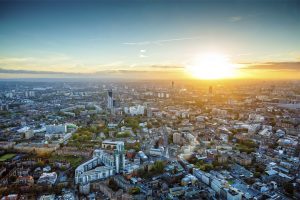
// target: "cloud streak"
[[11, 71], [257, 70], [160, 42], [143, 69], [235, 18], [290, 66]]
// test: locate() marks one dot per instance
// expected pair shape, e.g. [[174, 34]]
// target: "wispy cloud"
[[274, 66], [160, 42], [167, 67], [103, 68], [143, 56], [142, 53], [50, 58], [235, 18], [8, 60], [102, 72], [11, 71], [244, 54]]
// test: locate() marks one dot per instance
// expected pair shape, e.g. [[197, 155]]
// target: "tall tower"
[[210, 90], [109, 99], [119, 157], [172, 84]]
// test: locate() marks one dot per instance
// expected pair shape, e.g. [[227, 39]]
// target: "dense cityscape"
[[149, 100], [149, 140]]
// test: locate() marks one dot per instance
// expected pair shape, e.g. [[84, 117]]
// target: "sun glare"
[[212, 66]]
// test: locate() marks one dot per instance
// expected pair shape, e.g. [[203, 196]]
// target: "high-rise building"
[[110, 101], [210, 89], [106, 162], [149, 112], [119, 153]]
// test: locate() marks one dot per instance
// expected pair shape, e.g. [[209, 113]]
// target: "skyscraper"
[[210, 90], [109, 99]]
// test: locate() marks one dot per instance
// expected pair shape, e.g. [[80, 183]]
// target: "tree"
[[158, 167], [149, 126], [257, 174], [93, 129], [288, 188], [134, 190], [203, 166], [113, 185], [170, 139], [123, 135]]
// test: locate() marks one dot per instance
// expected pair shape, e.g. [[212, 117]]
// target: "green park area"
[[123, 134], [73, 160], [7, 157], [246, 146]]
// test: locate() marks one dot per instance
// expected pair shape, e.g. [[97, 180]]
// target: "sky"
[[147, 39]]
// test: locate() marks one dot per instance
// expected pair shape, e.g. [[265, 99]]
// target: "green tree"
[[158, 167], [288, 188], [134, 190], [257, 174]]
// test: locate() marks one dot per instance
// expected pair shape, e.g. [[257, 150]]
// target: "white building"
[[156, 151], [48, 178], [51, 129], [135, 110], [113, 161]]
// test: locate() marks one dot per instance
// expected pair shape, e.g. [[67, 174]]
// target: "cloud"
[[142, 53], [45, 59], [11, 71], [142, 74], [244, 54], [111, 70], [167, 67], [143, 56], [235, 18], [274, 66], [160, 42], [121, 71], [16, 60]]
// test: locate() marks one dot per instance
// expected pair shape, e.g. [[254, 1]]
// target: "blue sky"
[[90, 36]]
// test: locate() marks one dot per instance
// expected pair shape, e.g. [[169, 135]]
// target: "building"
[[47, 197], [177, 139], [25, 180], [53, 129], [39, 148], [47, 178], [135, 110], [210, 90], [108, 161], [156, 151], [102, 186], [232, 194], [110, 101], [142, 155]]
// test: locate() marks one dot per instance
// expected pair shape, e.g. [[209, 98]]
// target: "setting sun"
[[212, 66]]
